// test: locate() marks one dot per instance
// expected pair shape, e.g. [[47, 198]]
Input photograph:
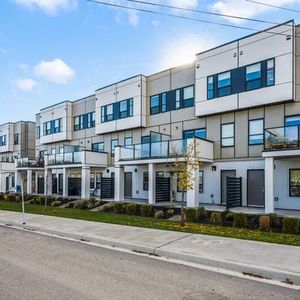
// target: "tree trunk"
[[182, 210]]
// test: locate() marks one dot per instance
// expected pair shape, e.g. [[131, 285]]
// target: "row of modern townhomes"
[[240, 101]]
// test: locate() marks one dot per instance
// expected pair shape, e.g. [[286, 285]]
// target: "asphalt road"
[[33, 267]]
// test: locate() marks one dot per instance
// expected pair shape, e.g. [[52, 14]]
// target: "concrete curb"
[[252, 270]]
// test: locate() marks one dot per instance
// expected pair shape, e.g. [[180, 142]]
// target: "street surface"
[[39, 267]]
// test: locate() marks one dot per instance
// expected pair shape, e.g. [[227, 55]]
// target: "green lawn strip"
[[233, 232]]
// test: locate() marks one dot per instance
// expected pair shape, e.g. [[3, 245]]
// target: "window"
[[224, 84], [177, 99], [294, 182], [201, 181], [145, 181], [227, 135], [256, 132], [92, 181], [292, 121], [17, 139], [123, 109], [188, 96], [163, 102], [57, 125], [61, 150], [270, 72], [98, 147], [200, 133], [154, 104], [78, 123], [160, 174], [38, 132], [114, 143], [253, 77], [146, 139], [52, 127], [210, 87], [109, 113], [118, 110], [91, 120], [128, 141], [3, 140], [102, 114], [53, 151]]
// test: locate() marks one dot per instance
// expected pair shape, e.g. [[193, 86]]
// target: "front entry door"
[[256, 188], [224, 174], [128, 185]]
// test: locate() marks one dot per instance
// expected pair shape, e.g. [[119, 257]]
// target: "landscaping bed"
[[269, 228]]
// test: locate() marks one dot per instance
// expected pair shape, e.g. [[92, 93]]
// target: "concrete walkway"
[[260, 259]]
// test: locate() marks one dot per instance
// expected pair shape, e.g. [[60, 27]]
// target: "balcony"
[[84, 157], [29, 163], [163, 150], [280, 138]]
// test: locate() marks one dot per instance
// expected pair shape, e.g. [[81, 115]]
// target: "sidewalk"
[[274, 261]]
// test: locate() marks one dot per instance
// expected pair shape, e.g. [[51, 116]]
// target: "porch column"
[[193, 193], [85, 182], [65, 182], [29, 181], [269, 185], [151, 184], [119, 183], [18, 179], [48, 182]]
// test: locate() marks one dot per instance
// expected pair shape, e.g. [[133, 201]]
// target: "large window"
[[175, 99], [3, 140], [126, 108], [253, 77], [292, 120], [109, 114], [256, 132], [114, 143], [145, 181], [78, 123], [154, 105], [224, 84], [84, 121], [98, 147], [117, 110], [294, 183], [51, 127], [200, 133], [227, 134]]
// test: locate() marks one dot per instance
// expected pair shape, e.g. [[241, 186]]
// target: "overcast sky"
[[55, 50]]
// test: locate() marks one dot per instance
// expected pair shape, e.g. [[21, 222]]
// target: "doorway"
[[224, 174]]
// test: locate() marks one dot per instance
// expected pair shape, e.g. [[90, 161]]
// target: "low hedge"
[[146, 210], [190, 215], [118, 207], [291, 225], [216, 218], [131, 209]]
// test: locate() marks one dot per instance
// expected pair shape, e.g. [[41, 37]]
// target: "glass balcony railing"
[[30, 163], [65, 158], [282, 138]]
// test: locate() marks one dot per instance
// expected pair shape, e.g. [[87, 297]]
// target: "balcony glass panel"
[[77, 157], [159, 149]]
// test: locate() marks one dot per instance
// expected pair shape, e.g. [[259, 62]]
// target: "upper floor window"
[[227, 135], [256, 132], [54, 126], [270, 72], [109, 114], [38, 132], [3, 140], [117, 110], [126, 108], [84, 121], [253, 77], [210, 87], [154, 105], [98, 147], [200, 133], [128, 141], [292, 120], [114, 143], [175, 99], [188, 96], [17, 139], [224, 84]]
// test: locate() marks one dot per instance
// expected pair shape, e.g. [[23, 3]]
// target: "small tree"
[[186, 163]]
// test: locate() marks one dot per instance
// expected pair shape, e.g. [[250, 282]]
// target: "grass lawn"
[[121, 219]]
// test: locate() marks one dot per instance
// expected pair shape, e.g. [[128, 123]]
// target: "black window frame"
[[112, 148], [188, 102], [229, 87], [38, 132], [155, 109], [201, 184], [210, 87], [228, 137], [3, 140], [126, 139], [193, 131], [271, 70], [256, 134], [17, 139], [251, 81], [145, 181], [95, 147]]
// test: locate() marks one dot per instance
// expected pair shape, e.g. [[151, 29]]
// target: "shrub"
[[146, 210], [2, 197], [10, 198], [159, 214], [42, 200], [118, 207], [291, 225], [107, 207], [70, 205], [81, 205], [36, 200], [170, 212], [18, 198], [131, 209], [201, 214], [55, 203], [216, 218], [274, 221], [229, 217], [190, 215], [264, 223], [240, 220], [28, 197]]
